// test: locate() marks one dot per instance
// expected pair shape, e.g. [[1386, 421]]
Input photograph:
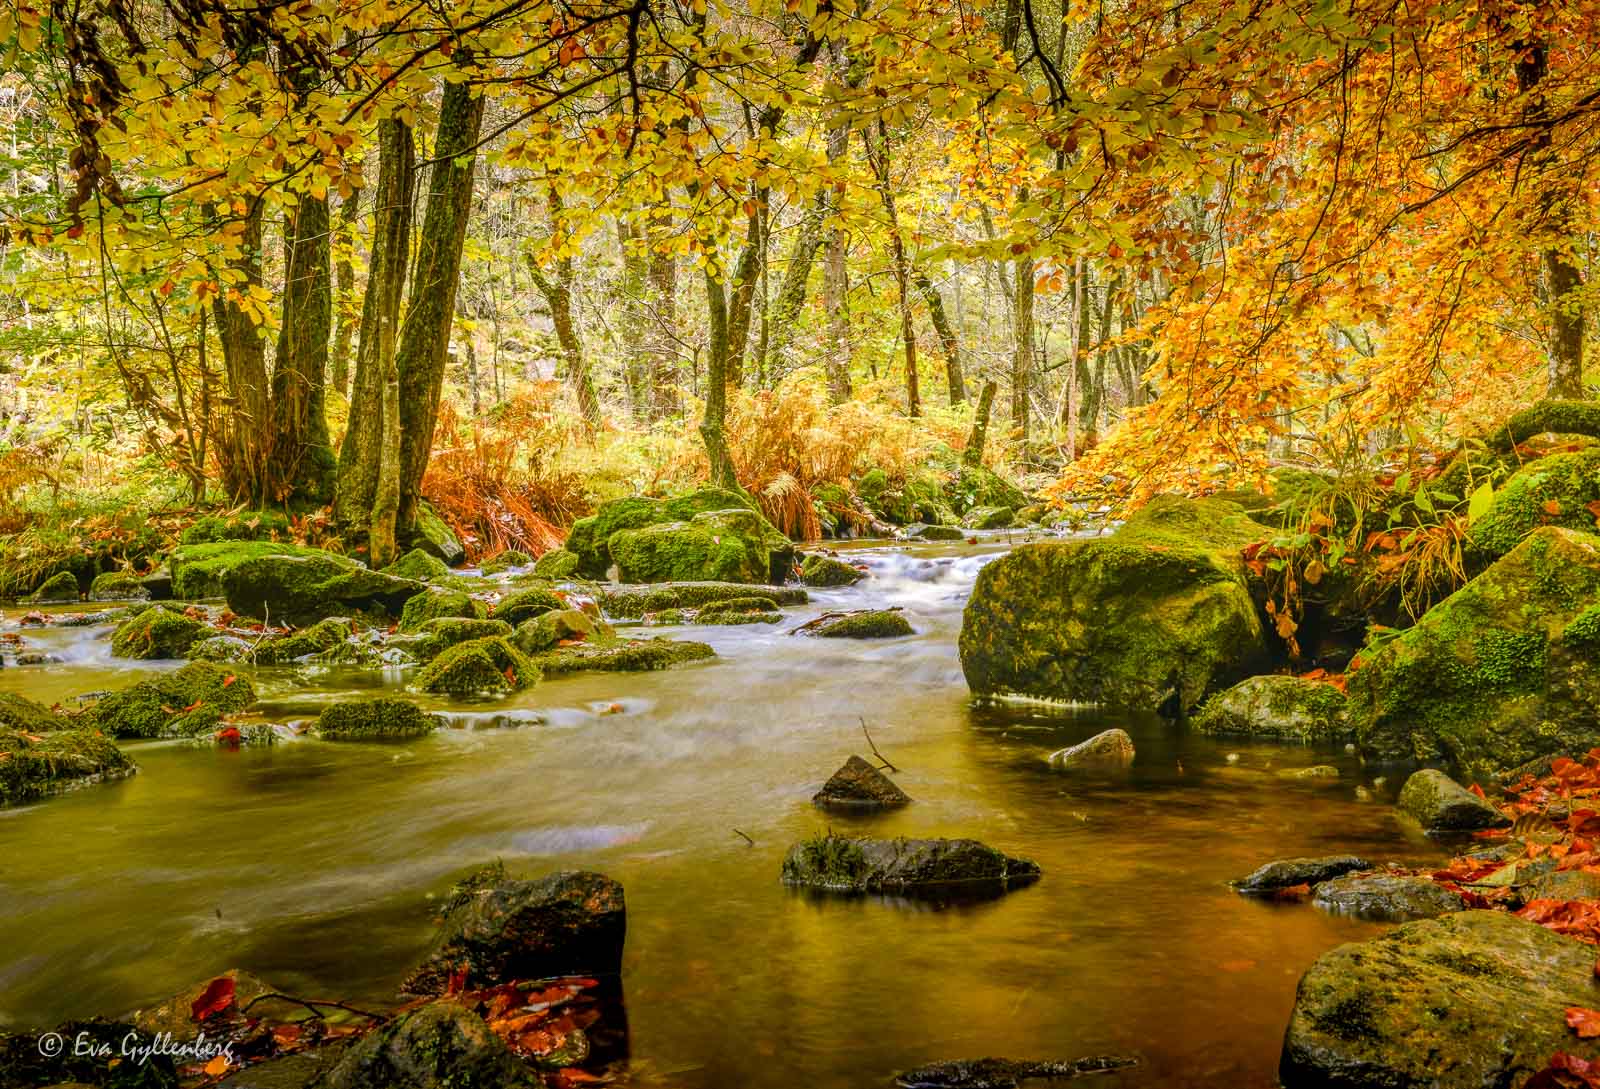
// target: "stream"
[[310, 864]]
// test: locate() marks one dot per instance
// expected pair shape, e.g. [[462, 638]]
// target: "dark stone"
[[569, 923], [1387, 898], [1004, 1073], [907, 867], [1288, 872], [859, 785], [440, 1046]]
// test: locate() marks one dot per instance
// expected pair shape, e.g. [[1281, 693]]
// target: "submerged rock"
[[631, 603], [1110, 749], [1472, 1000], [378, 719], [1387, 898], [184, 703], [568, 923], [1155, 616], [1504, 670], [1275, 707], [1440, 804], [859, 785], [819, 570], [1004, 1073], [157, 632], [622, 656], [908, 867], [33, 766], [1286, 873], [872, 624], [490, 666], [443, 1045]]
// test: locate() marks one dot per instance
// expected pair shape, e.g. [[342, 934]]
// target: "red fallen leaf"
[[217, 997], [1585, 1022]]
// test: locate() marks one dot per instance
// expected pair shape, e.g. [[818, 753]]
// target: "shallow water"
[[311, 864]]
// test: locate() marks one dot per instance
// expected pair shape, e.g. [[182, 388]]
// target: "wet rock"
[[378, 719], [478, 667], [1504, 670], [1111, 749], [622, 656], [1472, 1000], [920, 532], [549, 630], [59, 588], [522, 605], [1288, 872], [33, 766], [988, 518], [590, 537], [737, 545], [819, 570], [859, 785], [907, 867], [435, 603], [634, 602], [118, 586], [158, 631], [1275, 707], [568, 923], [302, 589], [1387, 898], [557, 564], [187, 702], [418, 564], [1155, 616], [440, 1046], [1440, 804], [432, 535], [1004, 1073], [872, 624]]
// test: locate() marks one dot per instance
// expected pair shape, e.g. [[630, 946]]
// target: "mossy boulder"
[[551, 629], [1504, 670], [735, 545], [302, 589], [989, 518], [557, 564], [183, 703], [59, 588], [443, 1045], [505, 561], [635, 602], [520, 605], [479, 667], [1473, 1000], [118, 586], [197, 570], [1276, 707], [437, 635], [18, 712], [590, 537], [248, 525], [1155, 616], [418, 564], [378, 719], [823, 571], [1554, 490], [871, 624], [157, 632], [35, 765], [905, 867], [1442, 805], [435, 603], [622, 656]]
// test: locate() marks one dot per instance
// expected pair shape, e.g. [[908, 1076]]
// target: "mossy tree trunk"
[[361, 456], [425, 337]]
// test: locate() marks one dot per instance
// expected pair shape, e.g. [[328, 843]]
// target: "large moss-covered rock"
[[736, 545], [35, 765], [197, 570], [443, 1045], [435, 603], [907, 867], [479, 667], [1157, 614], [1554, 490], [590, 537], [1504, 670], [1473, 1000], [631, 603], [1276, 707], [184, 703], [302, 589], [157, 632], [378, 719], [505, 929]]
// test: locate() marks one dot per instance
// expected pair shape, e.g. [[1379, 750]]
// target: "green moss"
[[876, 624], [198, 569], [378, 719], [557, 564], [479, 667], [250, 525], [1553, 490], [60, 587], [628, 656], [33, 766], [182, 703], [504, 561], [157, 632], [419, 565], [522, 605], [28, 716], [118, 586]]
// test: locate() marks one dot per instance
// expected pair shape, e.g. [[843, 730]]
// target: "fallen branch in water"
[[882, 759]]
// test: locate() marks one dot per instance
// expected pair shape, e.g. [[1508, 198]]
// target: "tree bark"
[[425, 337]]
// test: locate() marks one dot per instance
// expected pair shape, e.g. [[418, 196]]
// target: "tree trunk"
[[948, 340], [302, 462], [973, 454], [361, 456], [425, 337]]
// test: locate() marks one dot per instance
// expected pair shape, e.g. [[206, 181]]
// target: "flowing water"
[[311, 864]]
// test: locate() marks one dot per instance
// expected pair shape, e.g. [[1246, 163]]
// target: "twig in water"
[[744, 837], [883, 759]]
